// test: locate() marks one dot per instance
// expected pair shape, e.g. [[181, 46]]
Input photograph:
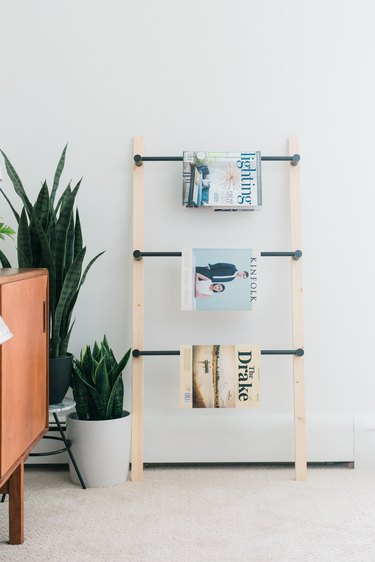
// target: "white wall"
[[222, 76]]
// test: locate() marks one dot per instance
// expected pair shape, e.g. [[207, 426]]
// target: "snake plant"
[[49, 235], [98, 387]]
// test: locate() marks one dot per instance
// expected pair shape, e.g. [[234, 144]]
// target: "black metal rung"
[[299, 352], [137, 254], [138, 159], [55, 451]]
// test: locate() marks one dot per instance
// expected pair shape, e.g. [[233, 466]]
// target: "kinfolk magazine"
[[220, 376], [219, 279], [222, 180]]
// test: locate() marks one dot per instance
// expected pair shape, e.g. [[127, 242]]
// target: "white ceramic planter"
[[101, 450]]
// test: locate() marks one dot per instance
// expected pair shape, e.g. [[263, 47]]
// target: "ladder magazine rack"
[[297, 353]]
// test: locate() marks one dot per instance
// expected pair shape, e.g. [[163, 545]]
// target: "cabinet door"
[[23, 400]]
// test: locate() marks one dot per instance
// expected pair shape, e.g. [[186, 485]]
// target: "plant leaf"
[[121, 365], [25, 256], [17, 184], [11, 206], [116, 399], [88, 268], [69, 253], [115, 402], [78, 240], [102, 382], [96, 408], [41, 208], [65, 339], [68, 309], [69, 286], [61, 231], [47, 261], [4, 260], [80, 392], [56, 179], [86, 362], [68, 188], [96, 352]]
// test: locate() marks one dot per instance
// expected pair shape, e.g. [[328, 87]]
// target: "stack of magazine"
[[222, 180]]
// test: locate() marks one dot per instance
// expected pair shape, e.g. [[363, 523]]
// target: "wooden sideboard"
[[23, 382]]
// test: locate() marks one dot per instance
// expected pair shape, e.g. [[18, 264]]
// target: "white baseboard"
[[364, 439], [246, 438]]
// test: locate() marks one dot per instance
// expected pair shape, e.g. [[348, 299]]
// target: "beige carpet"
[[225, 514]]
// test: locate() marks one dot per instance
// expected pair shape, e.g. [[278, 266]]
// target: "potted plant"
[[5, 231], [49, 235], [100, 430]]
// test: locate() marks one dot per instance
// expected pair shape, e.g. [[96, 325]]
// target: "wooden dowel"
[[297, 320], [138, 318]]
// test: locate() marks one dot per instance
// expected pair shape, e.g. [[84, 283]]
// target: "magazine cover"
[[220, 376], [219, 278], [222, 180]]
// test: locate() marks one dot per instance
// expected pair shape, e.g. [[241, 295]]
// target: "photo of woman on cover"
[[221, 279]]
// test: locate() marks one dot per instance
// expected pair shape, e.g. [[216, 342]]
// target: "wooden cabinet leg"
[[16, 506]]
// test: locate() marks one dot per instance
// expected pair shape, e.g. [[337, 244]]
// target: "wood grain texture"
[[16, 506], [297, 318], [23, 382], [138, 317], [23, 368]]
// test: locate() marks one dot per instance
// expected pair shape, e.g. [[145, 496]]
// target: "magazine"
[[219, 278], [222, 180], [220, 376]]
